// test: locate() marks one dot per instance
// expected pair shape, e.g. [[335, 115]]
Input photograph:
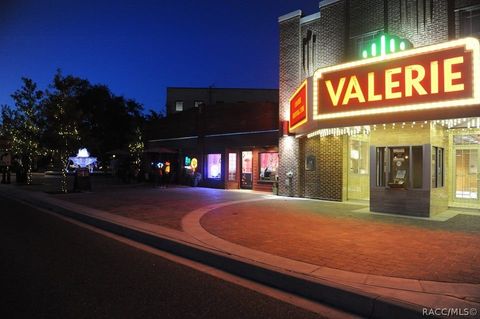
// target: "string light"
[[461, 123]]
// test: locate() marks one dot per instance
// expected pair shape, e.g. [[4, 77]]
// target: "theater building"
[[380, 103]]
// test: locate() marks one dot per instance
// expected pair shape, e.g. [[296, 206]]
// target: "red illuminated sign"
[[298, 107], [443, 75]]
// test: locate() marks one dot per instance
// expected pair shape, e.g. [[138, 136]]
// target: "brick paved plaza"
[[336, 235]]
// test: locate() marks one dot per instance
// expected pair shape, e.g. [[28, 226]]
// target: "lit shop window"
[[232, 166], [437, 166], [214, 166], [268, 166], [197, 103], [466, 172], [178, 106], [358, 157]]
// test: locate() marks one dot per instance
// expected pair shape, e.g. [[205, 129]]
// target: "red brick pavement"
[[159, 206], [288, 229]]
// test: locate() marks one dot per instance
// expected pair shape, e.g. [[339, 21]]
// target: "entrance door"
[[247, 180], [466, 174]]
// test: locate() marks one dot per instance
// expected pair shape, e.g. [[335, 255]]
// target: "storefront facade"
[[231, 146], [379, 102]]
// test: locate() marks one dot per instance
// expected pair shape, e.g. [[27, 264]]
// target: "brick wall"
[[330, 49], [425, 26], [366, 16], [325, 181], [289, 79]]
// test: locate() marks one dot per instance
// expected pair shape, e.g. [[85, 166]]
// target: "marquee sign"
[[441, 76]]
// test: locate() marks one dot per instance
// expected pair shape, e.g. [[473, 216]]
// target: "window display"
[[246, 181], [214, 166], [232, 166], [268, 166]]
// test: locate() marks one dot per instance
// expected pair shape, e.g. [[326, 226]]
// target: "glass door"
[[247, 181], [466, 174]]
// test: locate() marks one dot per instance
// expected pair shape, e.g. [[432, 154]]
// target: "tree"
[[23, 124], [63, 117]]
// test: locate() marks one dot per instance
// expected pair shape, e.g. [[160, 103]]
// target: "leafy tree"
[[135, 149], [63, 117], [108, 121], [23, 124]]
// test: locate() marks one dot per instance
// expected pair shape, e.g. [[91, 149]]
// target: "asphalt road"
[[50, 268]]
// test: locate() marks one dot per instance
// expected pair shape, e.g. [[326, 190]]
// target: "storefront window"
[[466, 170], [232, 166], [214, 166], [246, 179], [358, 157], [268, 166]]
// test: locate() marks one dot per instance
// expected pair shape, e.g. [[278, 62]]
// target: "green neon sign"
[[384, 44]]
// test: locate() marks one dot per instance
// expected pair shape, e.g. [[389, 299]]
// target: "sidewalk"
[[428, 263]]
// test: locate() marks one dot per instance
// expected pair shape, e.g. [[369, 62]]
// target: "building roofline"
[[310, 18], [213, 135], [216, 88], [324, 3], [290, 15]]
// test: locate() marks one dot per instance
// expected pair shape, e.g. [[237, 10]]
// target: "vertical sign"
[[298, 107]]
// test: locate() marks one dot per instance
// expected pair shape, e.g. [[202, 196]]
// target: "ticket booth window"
[[399, 166]]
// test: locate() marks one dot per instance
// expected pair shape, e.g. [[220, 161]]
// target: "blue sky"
[[138, 48]]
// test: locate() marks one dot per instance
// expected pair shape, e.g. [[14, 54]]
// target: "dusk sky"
[[138, 48]]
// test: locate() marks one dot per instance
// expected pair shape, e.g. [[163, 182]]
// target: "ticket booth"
[[399, 181]]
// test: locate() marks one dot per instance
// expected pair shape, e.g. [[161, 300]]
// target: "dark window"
[[417, 166], [469, 22], [361, 42], [380, 166], [437, 167]]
